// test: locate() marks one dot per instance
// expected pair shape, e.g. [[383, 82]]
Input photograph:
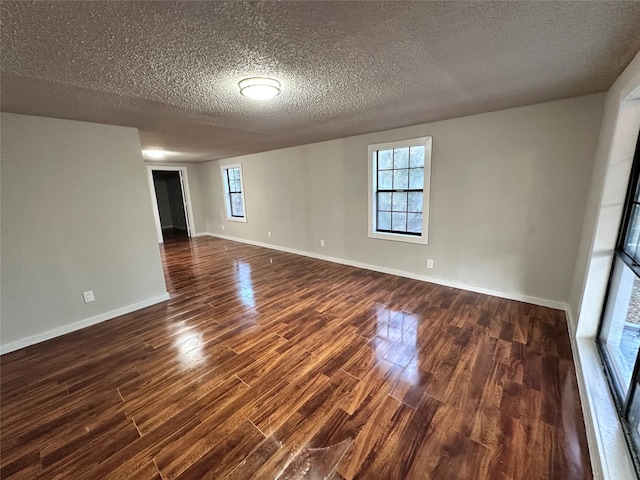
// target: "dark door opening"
[[170, 199]]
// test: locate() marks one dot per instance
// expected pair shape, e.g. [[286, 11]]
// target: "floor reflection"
[[190, 352], [244, 284], [396, 340]]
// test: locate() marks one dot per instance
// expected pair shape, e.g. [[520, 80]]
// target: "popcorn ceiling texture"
[[171, 68]]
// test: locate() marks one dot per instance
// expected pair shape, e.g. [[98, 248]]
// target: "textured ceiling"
[[171, 68]]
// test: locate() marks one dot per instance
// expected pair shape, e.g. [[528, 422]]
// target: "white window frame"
[[423, 238], [227, 199]]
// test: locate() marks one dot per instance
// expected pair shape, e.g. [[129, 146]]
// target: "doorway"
[[171, 202]]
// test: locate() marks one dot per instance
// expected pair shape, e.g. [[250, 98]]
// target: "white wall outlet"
[[269, 234], [222, 226], [429, 263], [88, 296], [322, 243]]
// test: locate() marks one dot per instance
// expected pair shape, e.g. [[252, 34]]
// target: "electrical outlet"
[[88, 296], [429, 263], [222, 226], [322, 243], [269, 234]]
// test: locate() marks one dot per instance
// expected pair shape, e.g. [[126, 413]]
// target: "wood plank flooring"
[[268, 365]]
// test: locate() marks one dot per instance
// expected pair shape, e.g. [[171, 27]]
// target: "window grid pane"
[[416, 156], [234, 192], [237, 209], [633, 234], [399, 190]]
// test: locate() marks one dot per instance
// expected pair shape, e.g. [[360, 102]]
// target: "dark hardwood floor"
[[269, 365]]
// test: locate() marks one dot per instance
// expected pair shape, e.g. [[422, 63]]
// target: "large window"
[[234, 192], [399, 174], [619, 336]]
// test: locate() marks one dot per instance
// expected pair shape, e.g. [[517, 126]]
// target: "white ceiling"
[[171, 68]]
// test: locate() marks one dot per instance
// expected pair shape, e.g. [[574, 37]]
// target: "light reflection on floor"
[[396, 341], [189, 345], [245, 284]]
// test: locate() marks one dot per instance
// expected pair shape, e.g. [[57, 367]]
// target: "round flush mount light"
[[154, 154], [259, 88]]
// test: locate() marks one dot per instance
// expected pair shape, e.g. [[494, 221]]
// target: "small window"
[[399, 175], [234, 192]]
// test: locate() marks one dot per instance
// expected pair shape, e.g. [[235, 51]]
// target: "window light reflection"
[[190, 353], [396, 341], [244, 284]]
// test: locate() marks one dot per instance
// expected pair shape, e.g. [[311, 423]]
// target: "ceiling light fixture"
[[259, 88], [154, 154]]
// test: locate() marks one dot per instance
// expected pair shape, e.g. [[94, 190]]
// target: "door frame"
[[186, 197]]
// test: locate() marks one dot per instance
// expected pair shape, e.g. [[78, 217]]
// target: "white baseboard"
[[72, 327], [447, 283], [610, 457]]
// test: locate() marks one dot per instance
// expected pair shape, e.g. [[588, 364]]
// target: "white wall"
[[508, 195], [76, 215]]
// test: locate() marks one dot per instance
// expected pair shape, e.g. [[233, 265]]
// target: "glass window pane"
[[385, 159], [234, 185], [634, 417], [620, 335], [384, 180], [400, 179], [416, 178], [633, 233], [414, 223], [399, 202], [401, 157], [415, 202], [399, 222], [384, 201], [237, 209], [416, 157], [384, 221]]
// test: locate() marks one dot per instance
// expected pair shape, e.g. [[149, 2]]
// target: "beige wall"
[[76, 215], [507, 202]]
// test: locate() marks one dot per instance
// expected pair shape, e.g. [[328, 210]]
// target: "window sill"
[[398, 237], [237, 219], [610, 454]]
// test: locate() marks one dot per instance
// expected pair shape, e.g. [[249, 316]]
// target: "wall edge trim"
[[401, 273], [87, 322]]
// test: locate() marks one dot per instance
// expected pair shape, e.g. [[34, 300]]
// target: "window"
[[234, 192], [399, 174], [619, 335]]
